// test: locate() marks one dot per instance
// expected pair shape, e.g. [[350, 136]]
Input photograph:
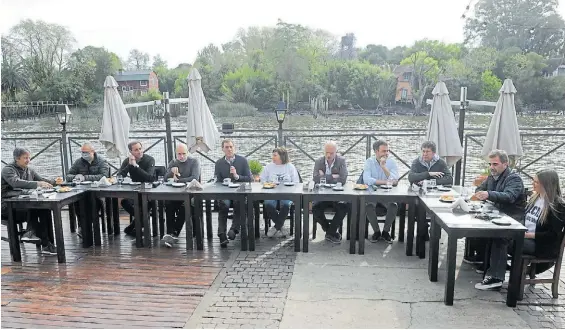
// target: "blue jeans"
[[277, 216], [224, 206]]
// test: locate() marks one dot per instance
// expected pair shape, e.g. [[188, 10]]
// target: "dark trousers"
[[39, 221], [340, 209], [127, 204], [224, 206], [477, 248], [79, 212], [175, 216], [277, 216], [501, 247]]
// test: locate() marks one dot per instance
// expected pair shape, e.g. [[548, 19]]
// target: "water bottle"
[[424, 189]]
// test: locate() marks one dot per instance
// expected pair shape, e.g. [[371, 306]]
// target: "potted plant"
[[256, 168], [482, 177]]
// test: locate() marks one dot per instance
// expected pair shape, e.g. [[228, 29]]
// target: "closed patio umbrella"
[[202, 132], [442, 129], [115, 121], [503, 132]]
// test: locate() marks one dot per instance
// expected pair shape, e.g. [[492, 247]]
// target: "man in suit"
[[333, 168], [237, 169]]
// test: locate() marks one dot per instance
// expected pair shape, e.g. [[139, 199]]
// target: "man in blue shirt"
[[376, 172]]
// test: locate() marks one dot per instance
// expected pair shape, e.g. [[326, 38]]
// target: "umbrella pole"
[[461, 130], [168, 127]]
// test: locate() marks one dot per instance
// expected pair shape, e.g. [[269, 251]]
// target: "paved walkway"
[[273, 287]]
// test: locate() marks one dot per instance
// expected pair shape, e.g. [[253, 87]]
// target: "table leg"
[[434, 249], [297, 225], [209, 229], [305, 225], [138, 222], [251, 224], [161, 206], [353, 227], [188, 223], [410, 231], [86, 221], [515, 272], [154, 225], [72, 217], [13, 236], [59, 240], [451, 260], [116, 216], [402, 222], [362, 224], [421, 232], [198, 225], [256, 216], [243, 218]]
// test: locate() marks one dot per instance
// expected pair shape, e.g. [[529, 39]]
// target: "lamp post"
[[170, 154], [280, 112], [64, 115]]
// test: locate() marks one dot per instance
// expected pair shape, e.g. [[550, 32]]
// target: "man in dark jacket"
[[18, 178], [141, 168], [237, 169], [89, 167], [184, 169], [430, 166], [505, 189], [333, 168]]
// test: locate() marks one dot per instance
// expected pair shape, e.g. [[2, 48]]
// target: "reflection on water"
[[344, 130]]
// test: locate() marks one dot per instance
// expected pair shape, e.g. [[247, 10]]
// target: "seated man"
[[183, 169], [141, 168], [90, 167], [18, 178], [430, 166], [505, 189], [280, 170], [377, 171], [333, 168], [237, 169]]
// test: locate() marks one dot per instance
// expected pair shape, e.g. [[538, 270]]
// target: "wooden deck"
[[112, 286]]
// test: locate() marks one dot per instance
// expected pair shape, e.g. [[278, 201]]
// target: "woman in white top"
[[279, 171]]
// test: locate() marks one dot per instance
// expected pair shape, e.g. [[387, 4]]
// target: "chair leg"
[[523, 279], [393, 229], [314, 228], [108, 210], [72, 218], [161, 206], [555, 284], [154, 218], [256, 216], [348, 236], [533, 271], [103, 218]]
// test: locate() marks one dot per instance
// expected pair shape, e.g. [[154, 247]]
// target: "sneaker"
[[30, 237], [375, 237], [49, 250], [472, 260], [386, 236], [175, 237], [480, 269], [79, 232], [231, 234], [223, 240], [489, 283], [338, 236], [130, 229], [333, 238], [168, 240], [285, 232], [271, 232], [279, 234]]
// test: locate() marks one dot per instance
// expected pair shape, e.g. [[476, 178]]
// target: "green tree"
[[138, 60]]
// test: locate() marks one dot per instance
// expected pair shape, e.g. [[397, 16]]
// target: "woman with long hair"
[[544, 219]]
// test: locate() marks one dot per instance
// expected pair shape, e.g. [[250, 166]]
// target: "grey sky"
[[178, 29]]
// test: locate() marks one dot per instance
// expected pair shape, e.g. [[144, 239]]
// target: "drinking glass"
[[322, 182], [433, 183], [76, 181], [388, 183], [161, 179], [120, 180], [464, 193]]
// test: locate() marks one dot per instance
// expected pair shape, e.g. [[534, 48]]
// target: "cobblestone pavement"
[[253, 292]]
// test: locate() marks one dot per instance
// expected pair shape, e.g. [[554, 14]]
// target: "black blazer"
[[549, 235]]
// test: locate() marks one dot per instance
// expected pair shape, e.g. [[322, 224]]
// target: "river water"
[[304, 135]]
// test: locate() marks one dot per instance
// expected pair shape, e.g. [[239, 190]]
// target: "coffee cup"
[[227, 181]]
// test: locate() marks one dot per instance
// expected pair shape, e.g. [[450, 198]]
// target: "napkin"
[[460, 204], [194, 185], [104, 181]]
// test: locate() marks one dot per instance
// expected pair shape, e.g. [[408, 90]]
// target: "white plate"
[[384, 186], [337, 189], [233, 185], [502, 222], [289, 183], [86, 182], [135, 183], [178, 184], [226, 184], [443, 189]]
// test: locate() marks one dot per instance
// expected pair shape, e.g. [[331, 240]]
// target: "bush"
[[227, 109]]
